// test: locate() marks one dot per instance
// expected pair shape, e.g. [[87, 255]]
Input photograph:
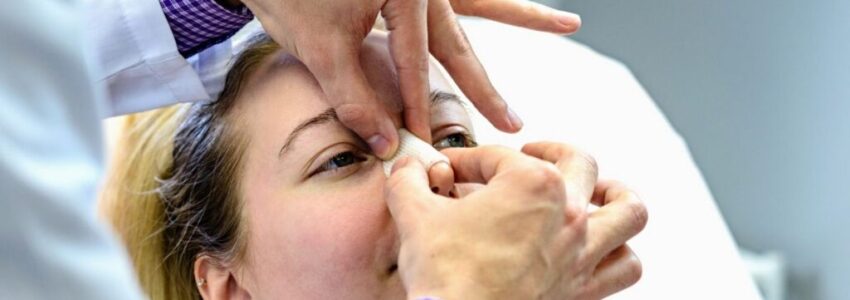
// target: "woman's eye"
[[455, 140], [341, 160]]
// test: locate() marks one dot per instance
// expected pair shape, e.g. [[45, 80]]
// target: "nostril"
[[435, 189]]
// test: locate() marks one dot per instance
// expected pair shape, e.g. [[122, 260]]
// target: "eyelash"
[[328, 167], [357, 156], [468, 141]]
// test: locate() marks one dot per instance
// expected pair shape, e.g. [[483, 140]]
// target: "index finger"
[[449, 45], [579, 169], [408, 40], [621, 216]]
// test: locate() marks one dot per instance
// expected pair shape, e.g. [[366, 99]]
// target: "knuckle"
[[545, 177], [577, 218], [413, 63], [589, 161], [456, 50], [638, 212]]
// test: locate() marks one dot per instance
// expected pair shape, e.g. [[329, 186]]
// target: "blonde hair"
[[171, 193], [129, 199]]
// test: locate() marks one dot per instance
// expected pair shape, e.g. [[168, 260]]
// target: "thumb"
[[408, 194], [340, 75]]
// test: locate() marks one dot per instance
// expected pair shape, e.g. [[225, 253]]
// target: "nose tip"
[[442, 179]]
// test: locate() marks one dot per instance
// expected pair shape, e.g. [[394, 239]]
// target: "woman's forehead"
[[285, 83]]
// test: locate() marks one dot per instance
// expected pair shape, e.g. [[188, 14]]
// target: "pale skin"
[[325, 236], [321, 228], [326, 35]]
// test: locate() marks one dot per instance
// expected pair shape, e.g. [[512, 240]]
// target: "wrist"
[[467, 281]]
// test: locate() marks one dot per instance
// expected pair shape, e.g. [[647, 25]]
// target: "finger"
[[620, 217], [449, 45], [407, 193], [603, 192], [341, 77], [481, 164], [579, 169], [510, 170], [521, 13], [618, 271], [408, 42]]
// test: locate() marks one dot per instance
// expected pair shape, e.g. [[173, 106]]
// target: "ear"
[[217, 282]]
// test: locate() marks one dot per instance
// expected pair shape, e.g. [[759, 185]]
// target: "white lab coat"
[[137, 56], [51, 245]]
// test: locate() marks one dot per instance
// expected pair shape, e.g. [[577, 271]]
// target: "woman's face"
[[317, 223]]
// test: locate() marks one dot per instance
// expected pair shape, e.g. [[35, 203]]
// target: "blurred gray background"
[[761, 92]]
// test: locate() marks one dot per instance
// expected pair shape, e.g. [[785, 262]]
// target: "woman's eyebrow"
[[322, 118], [329, 115], [438, 96]]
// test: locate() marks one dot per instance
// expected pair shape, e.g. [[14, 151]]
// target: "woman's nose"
[[442, 179]]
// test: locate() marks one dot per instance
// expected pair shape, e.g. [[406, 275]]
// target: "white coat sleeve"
[[136, 57]]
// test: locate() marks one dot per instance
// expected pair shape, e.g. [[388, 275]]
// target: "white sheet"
[[565, 91]]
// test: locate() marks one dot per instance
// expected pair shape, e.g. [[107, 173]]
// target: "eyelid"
[[359, 159], [346, 137], [449, 129], [328, 153]]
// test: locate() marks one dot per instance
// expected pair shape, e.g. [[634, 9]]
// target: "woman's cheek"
[[357, 220], [335, 235]]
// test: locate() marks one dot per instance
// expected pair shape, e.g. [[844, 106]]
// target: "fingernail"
[[380, 145], [442, 162], [514, 119], [568, 19], [384, 142]]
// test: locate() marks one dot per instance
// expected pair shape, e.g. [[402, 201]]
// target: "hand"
[[621, 216], [518, 237], [500, 242], [326, 36]]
